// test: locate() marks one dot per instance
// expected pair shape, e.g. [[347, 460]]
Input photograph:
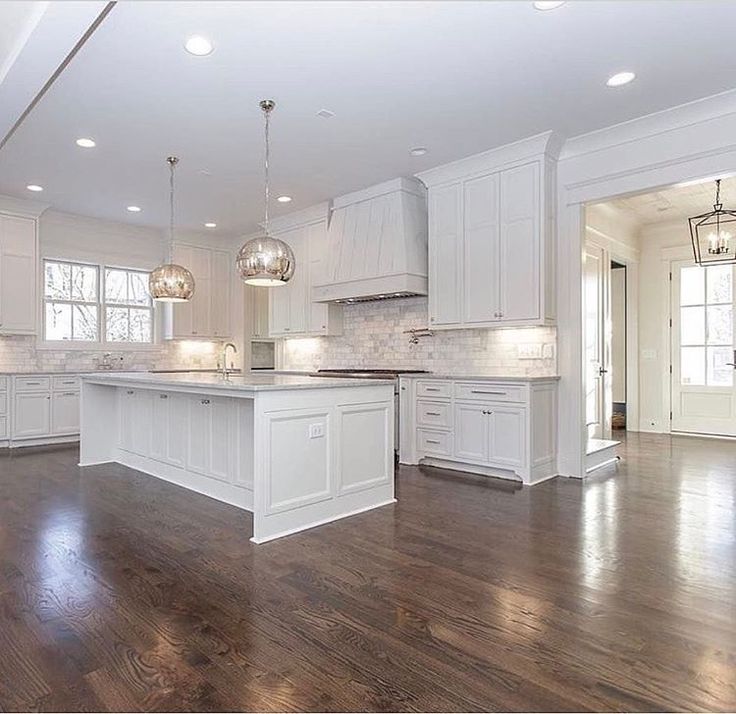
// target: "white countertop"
[[236, 383], [480, 377]]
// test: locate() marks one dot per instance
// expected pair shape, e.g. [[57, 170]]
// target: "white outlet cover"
[[316, 430], [530, 351]]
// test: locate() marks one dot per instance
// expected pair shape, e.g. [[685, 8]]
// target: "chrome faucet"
[[225, 371]]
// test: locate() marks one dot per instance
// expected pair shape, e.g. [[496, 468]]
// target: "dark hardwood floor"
[[122, 592]]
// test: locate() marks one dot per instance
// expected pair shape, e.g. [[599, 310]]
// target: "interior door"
[[598, 397], [703, 388]]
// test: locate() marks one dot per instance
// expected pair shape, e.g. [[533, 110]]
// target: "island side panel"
[[98, 421], [320, 455]]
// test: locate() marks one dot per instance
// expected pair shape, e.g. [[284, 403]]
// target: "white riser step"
[[600, 453]]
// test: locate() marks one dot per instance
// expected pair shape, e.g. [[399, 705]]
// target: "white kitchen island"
[[297, 451]]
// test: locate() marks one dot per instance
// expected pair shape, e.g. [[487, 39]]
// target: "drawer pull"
[[69, 394], [163, 396], [432, 441], [431, 389], [486, 412], [205, 401], [130, 391], [433, 414], [482, 391], [33, 384]]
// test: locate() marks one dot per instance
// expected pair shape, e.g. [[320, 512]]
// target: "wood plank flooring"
[[121, 592]]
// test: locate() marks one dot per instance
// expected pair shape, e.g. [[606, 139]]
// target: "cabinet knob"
[[205, 401]]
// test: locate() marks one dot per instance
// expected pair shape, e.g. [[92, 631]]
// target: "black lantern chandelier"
[[713, 242]]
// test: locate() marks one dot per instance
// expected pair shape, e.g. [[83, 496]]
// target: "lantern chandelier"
[[713, 242], [264, 260], [171, 282]]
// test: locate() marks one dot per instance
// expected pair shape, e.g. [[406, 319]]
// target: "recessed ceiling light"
[[34, 187], [284, 199], [86, 143], [620, 78], [198, 45], [548, 4], [418, 151], [134, 209], [210, 225], [325, 114]]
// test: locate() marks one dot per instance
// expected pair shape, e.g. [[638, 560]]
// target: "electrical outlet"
[[316, 430], [529, 351]]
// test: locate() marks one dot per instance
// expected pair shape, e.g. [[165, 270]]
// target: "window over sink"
[[86, 303]]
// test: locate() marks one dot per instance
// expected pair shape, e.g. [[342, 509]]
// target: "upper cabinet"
[[207, 314], [256, 312], [18, 275], [292, 313], [491, 237]]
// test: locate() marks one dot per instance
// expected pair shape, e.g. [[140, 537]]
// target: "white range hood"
[[376, 244]]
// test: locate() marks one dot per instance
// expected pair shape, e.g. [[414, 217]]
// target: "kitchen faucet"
[[225, 371]]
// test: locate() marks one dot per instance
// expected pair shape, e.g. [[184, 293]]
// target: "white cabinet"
[[207, 314], [168, 428], [256, 310], [491, 239], [136, 421], [210, 442], [291, 309], [4, 431], [501, 429], [64, 413], [18, 275], [31, 415]]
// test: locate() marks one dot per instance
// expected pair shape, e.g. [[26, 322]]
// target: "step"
[[600, 453]]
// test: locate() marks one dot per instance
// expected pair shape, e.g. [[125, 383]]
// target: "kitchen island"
[[297, 451]]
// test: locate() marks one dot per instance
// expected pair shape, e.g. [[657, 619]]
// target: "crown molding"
[[22, 206]]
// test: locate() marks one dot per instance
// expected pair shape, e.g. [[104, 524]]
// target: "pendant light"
[[265, 260], [712, 242], [171, 282]]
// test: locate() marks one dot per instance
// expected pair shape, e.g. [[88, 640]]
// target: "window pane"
[[84, 283], [116, 286], [720, 374], [720, 325], [84, 322], [138, 289], [692, 365], [116, 324], [692, 326], [57, 281], [719, 279], [58, 321], [692, 286], [140, 325]]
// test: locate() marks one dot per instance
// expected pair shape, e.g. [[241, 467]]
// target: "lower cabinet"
[[209, 443], [31, 415], [64, 413]]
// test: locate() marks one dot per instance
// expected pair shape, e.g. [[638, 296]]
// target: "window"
[[78, 309]]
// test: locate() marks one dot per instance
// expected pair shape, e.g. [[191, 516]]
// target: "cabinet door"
[[160, 427], [260, 311], [480, 250], [182, 314], [127, 416], [445, 250], [519, 243], [298, 286], [507, 435], [142, 413], [220, 288], [202, 299], [220, 423], [199, 442], [18, 275], [32, 415], [65, 413], [318, 313], [471, 432], [168, 429]]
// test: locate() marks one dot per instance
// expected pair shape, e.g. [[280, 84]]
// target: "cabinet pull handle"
[[487, 412], [33, 384], [69, 394], [432, 441], [130, 391], [431, 389], [433, 414], [481, 391], [205, 401], [163, 396]]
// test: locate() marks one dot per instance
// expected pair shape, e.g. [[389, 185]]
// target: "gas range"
[[360, 373]]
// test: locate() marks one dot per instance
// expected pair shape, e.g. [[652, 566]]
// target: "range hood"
[[376, 244]]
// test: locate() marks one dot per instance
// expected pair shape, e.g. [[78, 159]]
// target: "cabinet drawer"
[[32, 384], [437, 414], [65, 383], [489, 392], [436, 443], [434, 388]]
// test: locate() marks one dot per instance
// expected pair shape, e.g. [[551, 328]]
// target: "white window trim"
[[99, 345]]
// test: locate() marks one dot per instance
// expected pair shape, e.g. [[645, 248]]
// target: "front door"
[[703, 351]]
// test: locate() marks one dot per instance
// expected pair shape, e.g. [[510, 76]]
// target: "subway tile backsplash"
[[374, 336]]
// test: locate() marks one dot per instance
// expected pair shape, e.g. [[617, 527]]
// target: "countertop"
[[480, 377], [236, 383], [52, 372]]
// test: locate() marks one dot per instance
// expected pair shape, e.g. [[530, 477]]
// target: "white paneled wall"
[[374, 337]]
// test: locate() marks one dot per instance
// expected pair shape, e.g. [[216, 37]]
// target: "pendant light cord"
[[172, 161], [718, 205], [267, 106]]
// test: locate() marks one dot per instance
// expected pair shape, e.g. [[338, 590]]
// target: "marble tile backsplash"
[[20, 353], [374, 336]]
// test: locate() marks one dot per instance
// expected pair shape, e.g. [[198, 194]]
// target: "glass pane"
[[84, 283], [57, 281], [692, 286], [58, 322], [116, 286], [719, 279], [116, 324], [140, 325], [84, 322], [692, 365], [138, 289], [720, 374], [692, 325], [720, 325]]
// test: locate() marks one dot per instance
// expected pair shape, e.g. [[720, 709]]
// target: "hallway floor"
[[121, 592]]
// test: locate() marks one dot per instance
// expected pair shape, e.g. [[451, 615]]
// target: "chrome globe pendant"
[[265, 260], [171, 282]]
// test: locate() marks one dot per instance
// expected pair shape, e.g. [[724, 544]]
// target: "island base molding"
[[294, 458]]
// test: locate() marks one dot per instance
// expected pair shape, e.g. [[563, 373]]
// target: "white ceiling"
[[456, 77], [18, 20], [677, 202]]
